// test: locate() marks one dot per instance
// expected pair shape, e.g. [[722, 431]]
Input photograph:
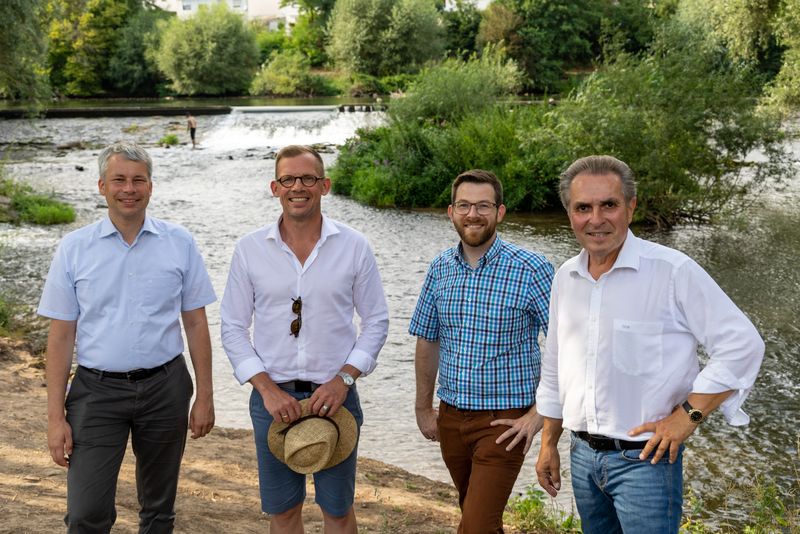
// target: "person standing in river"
[[620, 366], [117, 292], [477, 321], [191, 127], [298, 282]]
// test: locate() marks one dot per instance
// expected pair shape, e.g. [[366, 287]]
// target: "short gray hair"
[[597, 165], [129, 151]]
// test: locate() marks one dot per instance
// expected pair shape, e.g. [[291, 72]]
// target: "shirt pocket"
[[637, 347], [160, 291]]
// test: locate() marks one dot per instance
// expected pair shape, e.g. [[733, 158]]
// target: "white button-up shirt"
[[622, 350], [339, 276]]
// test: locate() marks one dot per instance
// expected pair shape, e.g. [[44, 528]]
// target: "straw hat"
[[313, 443]]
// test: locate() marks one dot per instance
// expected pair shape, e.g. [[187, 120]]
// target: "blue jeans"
[[616, 492], [281, 488]]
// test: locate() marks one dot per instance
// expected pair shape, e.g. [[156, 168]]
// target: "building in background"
[[269, 11]]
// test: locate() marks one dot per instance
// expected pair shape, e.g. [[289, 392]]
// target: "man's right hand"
[[59, 441], [280, 405], [426, 421], [548, 468]]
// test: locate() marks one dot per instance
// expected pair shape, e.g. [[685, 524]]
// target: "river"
[[220, 192]]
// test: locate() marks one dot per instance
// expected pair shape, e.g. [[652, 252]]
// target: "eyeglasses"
[[307, 180], [297, 307], [483, 208]]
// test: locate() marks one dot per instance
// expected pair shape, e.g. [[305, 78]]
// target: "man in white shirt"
[[620, 366], [298, 282]]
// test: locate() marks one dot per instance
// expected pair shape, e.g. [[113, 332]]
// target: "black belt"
[[604, 443], [130, 376], [299, 386]]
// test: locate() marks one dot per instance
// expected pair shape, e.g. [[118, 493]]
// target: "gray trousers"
[[102, 412]]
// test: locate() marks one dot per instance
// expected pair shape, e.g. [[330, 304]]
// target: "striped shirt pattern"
[[487, 321]]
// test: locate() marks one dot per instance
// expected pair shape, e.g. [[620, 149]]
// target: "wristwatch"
[[695, 415], [347, 378]]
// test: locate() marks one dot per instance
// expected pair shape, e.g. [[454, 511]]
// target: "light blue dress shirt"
[[127, 299]]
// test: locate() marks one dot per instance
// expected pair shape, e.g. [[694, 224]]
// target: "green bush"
[[529, 513], [6, 314], [288, 73], [169, 139], [449, 91]]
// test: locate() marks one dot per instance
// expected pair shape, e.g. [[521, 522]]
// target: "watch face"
[[696, 416]]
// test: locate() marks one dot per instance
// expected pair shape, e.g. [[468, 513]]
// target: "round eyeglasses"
[[307, 180], [483, 208]]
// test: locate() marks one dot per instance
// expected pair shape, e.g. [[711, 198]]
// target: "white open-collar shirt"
[[339, 277], [622, 350]]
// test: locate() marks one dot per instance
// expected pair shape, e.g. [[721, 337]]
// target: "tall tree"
[[381, 37], [309, 32], [462, 22], [22, 51], [212, 53], [132, 67]]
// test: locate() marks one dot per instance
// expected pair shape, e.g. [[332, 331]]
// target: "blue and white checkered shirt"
[[487, 321]]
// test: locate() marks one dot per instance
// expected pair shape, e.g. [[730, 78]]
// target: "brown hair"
[[478, 176], [292, 151]]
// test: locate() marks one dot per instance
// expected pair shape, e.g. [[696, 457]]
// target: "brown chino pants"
[[483, 471]]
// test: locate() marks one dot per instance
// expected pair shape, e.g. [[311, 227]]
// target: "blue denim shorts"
[[281, 488]]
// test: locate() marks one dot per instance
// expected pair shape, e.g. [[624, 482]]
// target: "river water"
[[220, 192]]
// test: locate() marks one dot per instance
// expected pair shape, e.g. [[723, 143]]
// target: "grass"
[[169, 139], [28, 206], [530, 513]]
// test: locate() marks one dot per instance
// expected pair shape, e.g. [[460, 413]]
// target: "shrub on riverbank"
[[24, 205], [683, 116]]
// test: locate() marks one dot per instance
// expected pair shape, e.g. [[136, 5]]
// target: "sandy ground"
[[218, 489]]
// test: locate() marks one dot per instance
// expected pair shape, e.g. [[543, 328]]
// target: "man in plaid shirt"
[[477, 323]]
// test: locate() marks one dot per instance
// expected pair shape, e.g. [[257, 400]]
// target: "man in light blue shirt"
[[116, 293]]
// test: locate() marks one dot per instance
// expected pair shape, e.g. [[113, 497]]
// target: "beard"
[[475, 238]]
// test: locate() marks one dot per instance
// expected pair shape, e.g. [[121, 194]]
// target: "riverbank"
[[219, 487]]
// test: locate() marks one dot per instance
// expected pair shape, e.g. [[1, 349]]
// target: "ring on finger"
[[325, 407]]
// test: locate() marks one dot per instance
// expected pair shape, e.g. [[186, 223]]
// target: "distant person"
[[620, 367], [477, 321], [117, 291], [298, 282], [191, 125]]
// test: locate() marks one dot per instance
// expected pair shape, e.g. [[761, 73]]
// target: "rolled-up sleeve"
[[732, 342]]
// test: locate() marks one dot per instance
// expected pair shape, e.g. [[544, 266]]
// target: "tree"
[[132, 66], [308, 33], [462, 23], [381, 37], [22, 51], [212, 53], [684, 117]]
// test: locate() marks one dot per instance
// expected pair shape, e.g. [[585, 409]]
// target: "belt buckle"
[[132, 375]]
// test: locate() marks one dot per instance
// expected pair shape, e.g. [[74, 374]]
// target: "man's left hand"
[[668, 434], [327, 398], [201, 417], [524, 427]]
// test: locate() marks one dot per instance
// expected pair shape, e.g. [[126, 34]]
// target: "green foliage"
[[784, 92], [461, 26], [23, 71], [545, 36], [132, 68], [530, 513], [454, 88], [28, 206], [169, 140], [381, 37], [684, 118], [270, 41], [6, 313], [288, 73], [212, 53], [82, 35]]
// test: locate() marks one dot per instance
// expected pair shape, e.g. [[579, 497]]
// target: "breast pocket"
[[160, 292], [637, 347]]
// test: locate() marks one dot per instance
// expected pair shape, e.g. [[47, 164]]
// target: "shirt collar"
[[107, 227], [490, 254], [328, 229], [628, 257]]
